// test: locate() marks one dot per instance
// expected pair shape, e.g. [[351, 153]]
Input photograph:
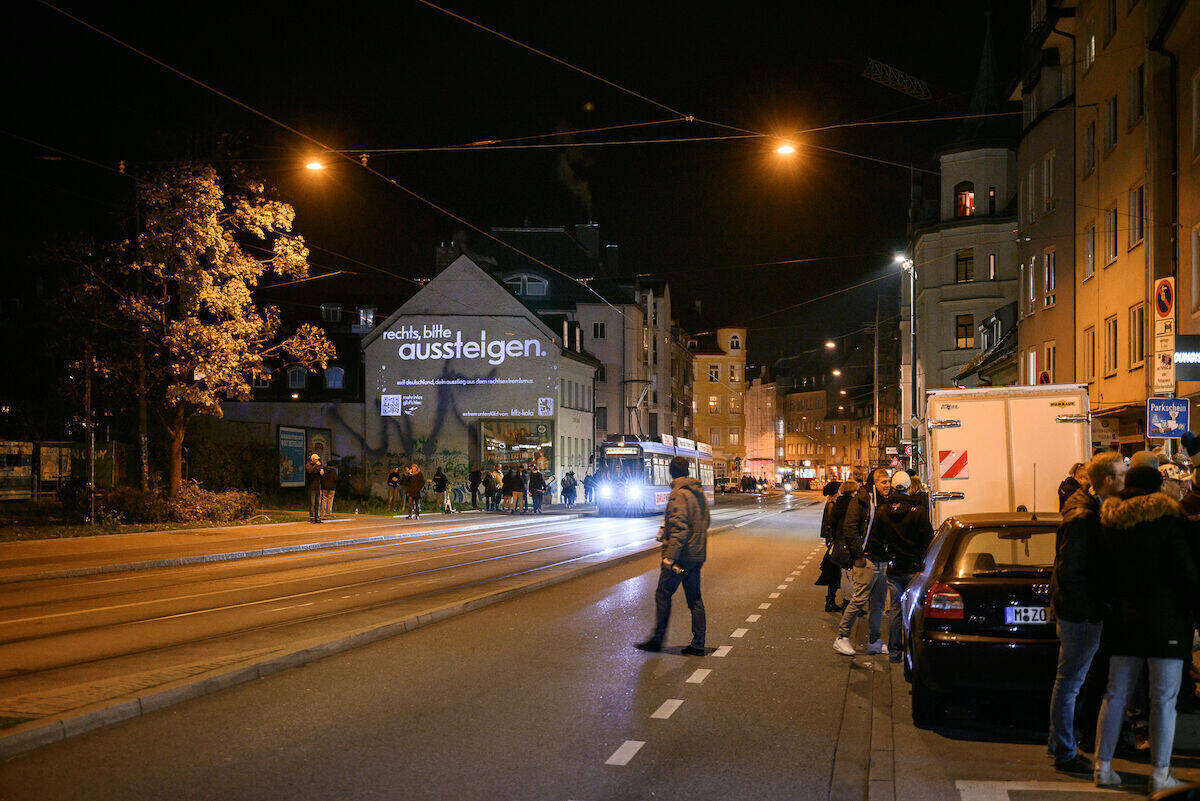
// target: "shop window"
[[964, 199], [295, 378], [964, 265], [964, 331], [335, 378], [519, 442]]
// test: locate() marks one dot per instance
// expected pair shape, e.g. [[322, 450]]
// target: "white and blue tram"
[[632, 476]]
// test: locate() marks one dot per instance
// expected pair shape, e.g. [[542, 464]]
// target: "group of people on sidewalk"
[[1125, 587], [320, 482], [876, 535]]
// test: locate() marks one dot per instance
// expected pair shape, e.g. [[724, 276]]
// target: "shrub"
[[194, 504]]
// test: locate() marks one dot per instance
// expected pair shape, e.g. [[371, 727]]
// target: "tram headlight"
[[633, 492], [606, 491], [787, 486]]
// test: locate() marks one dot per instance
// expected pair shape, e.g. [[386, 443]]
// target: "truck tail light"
[[944, 603]]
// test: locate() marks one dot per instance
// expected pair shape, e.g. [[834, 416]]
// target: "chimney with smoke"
[[588, 235]]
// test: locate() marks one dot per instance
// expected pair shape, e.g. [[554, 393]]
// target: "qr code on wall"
[[545, 406]]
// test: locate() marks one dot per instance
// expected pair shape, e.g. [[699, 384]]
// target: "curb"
[[34, 734], [229, 556]]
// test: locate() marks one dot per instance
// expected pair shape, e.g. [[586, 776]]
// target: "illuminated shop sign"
[[431, 342]]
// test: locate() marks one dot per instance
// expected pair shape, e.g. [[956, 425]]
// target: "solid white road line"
[[773, 595], [722, 650], [753, 618], [625, 753], [764, 606], [699, 676], [739, 633], [667, 709]]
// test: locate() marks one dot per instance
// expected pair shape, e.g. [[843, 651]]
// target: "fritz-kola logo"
[[434, 342]]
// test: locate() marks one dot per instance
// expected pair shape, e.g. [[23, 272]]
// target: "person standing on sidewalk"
[[537, 488], [589, 485], [394, 480], [909, 534], [1150, 585], [1075, 481], [312, 484], [414, 482], [474, 479], [861, 534], [1075, 597], [684, 537], [523, 477], [489, 491], [440, 485], [567, 492], [831, 574], [329, 478]]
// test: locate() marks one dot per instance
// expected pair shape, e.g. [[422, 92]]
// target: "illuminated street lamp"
[[314, 165], [830, 344], [836, 371], [785, 149], [841, 392]]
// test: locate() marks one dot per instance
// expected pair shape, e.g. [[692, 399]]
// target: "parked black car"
[[978, 615]]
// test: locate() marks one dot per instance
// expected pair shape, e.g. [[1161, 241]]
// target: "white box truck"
[[993, 449]]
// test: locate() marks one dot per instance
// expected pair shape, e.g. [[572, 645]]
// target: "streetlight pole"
[[909, 267]]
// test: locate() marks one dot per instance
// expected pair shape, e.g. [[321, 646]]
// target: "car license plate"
[[1027, 615]]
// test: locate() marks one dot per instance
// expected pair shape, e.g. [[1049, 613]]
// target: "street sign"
[[908, 450], [890, 450], [1164, 372], [1166, 418], [1166, 342], [1164, 299], [1044, 377], [1162, 327]]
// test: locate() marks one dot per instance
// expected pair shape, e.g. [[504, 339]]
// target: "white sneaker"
[[1161, 779], [1105, 776], [842, 646], [877, 647]]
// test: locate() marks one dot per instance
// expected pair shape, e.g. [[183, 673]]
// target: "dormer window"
[[735, 342], [527, 285], [331, 312], [335, 377], [964, 199], [366, 316], [295, 378]]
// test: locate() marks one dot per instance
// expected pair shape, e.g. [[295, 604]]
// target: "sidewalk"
[[32, 560]]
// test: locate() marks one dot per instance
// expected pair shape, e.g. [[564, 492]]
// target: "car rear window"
[[1001, 550]]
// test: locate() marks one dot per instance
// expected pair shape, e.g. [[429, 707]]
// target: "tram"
[[632, 476]]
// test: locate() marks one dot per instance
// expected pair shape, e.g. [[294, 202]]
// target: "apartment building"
[[719, 367]]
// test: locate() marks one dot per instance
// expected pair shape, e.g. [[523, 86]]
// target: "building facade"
[[719, 367]]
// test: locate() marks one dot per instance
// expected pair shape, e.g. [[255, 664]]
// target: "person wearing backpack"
[[684, 538], [861, 535]]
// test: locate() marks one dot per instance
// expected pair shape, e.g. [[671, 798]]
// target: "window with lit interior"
[[964, 199]]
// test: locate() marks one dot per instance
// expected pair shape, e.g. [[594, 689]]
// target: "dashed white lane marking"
[[293, 606], [667, 709], [625, 753], [699, 676], [764, 606], [999, 790], [753, 618], [781, 587], [773, 595], [739, 633], [723, 650], [790, 578]]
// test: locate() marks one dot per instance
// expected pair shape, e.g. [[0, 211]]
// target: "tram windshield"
[[622, 469]]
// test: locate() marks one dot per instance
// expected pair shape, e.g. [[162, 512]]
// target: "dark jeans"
[[537, 501], [475, 497], [668, 582], [314, 504], [1077, 644]]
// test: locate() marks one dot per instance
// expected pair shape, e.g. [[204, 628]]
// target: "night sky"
[[399, 74]]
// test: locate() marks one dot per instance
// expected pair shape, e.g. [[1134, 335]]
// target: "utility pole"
[[91, 432], [875, 394]]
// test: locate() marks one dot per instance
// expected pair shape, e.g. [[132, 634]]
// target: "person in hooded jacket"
[[440, 485], [414, 482], [862, 532], [831, 574], [1075, 595], [909, 533], [1150, 584], [684, 537]]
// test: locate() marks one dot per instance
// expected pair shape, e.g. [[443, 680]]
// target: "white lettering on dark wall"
[[418, 347]]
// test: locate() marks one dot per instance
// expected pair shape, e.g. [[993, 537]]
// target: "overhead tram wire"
[[509, 140], [548, 145], [329, 149]]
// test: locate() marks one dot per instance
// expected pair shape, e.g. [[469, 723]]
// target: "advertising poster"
[[320, 442], [291, 456]]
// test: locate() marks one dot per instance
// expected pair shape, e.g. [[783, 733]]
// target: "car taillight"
[[944, 603]]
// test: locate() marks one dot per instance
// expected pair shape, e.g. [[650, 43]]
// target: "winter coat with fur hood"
[[1149, 576]]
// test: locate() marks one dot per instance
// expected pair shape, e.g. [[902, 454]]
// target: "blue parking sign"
[[1166, 418]]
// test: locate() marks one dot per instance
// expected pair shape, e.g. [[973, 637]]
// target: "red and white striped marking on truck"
[[952, 464]]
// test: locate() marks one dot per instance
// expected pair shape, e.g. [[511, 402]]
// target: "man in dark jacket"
[[831, 520], [312, 485], [537, 488], [684, 537], [474, 479], [414, 482], [1150, 583], [862, 533], [1074, 596], [909, 533], [523, 477], [490, 488]]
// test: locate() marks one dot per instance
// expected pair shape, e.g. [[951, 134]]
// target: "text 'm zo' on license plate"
[[1027, 615]]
